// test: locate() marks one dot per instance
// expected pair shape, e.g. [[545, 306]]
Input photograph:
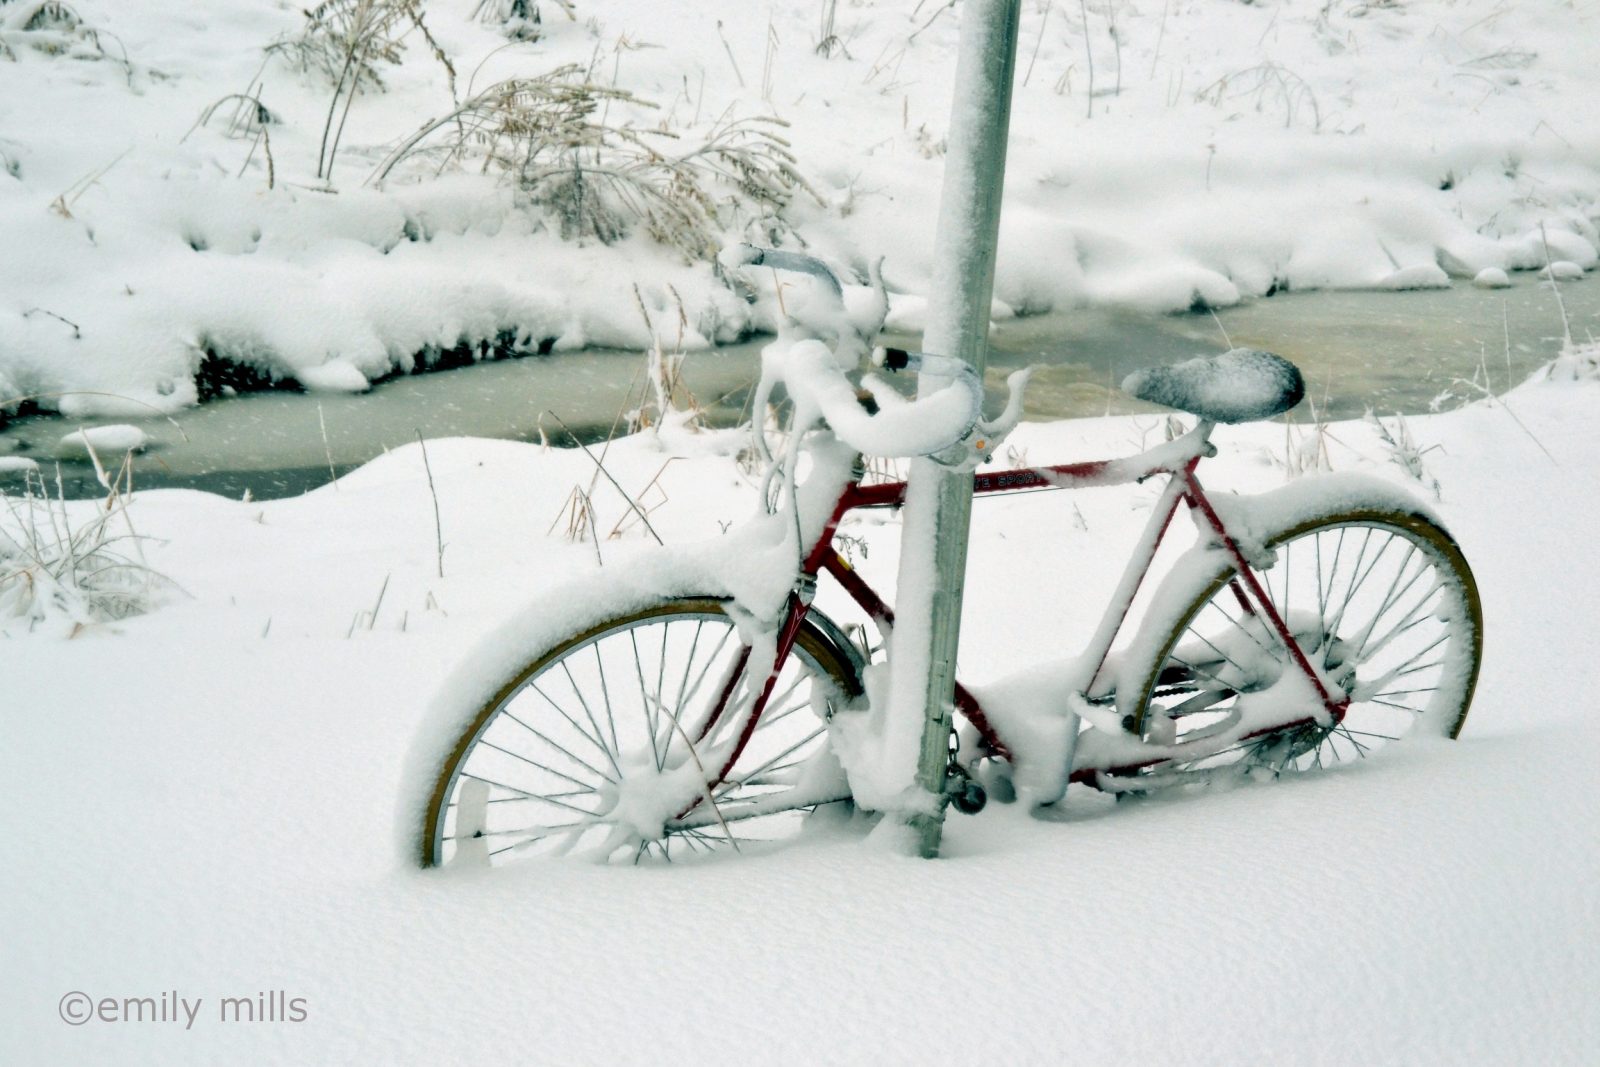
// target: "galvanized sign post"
[[939, 501]]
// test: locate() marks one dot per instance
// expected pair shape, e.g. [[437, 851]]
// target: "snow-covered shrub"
[[518, 19], [348, 40], [58, 569], [1404, 452], [240, 116], [1269, 88], [552, 137], [1578, 361], [54, 29]]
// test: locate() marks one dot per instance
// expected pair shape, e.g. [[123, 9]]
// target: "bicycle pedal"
[[966, 794], [995, 777], [970, 798]]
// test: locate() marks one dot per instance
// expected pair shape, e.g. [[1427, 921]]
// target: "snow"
[[1563, 270], [1491, 278], [111, 441], [220, 797], [1229, 150], [204, 798]]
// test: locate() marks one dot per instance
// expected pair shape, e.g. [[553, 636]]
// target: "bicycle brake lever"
[[979, 440]]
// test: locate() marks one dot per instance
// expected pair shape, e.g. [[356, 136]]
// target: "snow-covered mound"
[[1163, 154], [201, 800]]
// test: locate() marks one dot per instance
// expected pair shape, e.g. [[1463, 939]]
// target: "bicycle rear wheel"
[[1381, 603], [609, 744]]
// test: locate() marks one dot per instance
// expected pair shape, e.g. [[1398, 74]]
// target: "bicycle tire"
[[554, 733], [1184, 690]]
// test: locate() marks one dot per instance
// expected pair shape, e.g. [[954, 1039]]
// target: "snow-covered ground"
[[1164, 152], [202, 802], [209, 800]]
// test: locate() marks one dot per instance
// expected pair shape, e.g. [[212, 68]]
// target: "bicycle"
[[1307, 626]]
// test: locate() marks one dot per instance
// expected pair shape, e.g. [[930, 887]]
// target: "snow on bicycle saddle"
[[1240, 385]]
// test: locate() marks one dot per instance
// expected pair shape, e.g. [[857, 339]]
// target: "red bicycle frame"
[[1176, 459]]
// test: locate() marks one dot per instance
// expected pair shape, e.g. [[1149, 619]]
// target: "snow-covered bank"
[[1232, 150], [203, 800]]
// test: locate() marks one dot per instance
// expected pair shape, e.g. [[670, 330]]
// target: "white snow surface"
[[110, 441], [1225, 150], [203, 800]]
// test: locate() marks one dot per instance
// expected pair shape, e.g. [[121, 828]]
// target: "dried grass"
[[348, 41], [552, 138], [1266, 85], [53, 28], [245, 117], [521, 20], [52, 572], [1404, 451]]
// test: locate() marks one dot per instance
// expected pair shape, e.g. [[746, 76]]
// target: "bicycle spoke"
[[605, 694], [523, 794], [1392, 704], [728, 786], [1405, 625], [1358, 577], [1288, 571], [1361, 749], [584, 704], [710, 662], [769, 720], [559, 710], [651, 723], [1369, 733], [661, 681], [559, 748], [714, 712], [688, 664], [524, 800], [1221, 685], [1393, 597], [535, 838], [519, 832], [531, 762], [1242, 629], [1322, 601], [1420, 667], [1244, 673], [1397, 673], [1406, 692]]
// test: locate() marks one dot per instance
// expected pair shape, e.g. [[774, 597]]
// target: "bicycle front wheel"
[[610, 745], [1381, 603]]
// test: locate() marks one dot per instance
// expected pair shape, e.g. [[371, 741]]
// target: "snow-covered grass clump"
[[63, 568], [270, 189]]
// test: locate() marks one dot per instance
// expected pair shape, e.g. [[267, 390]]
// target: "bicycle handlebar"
[[926, 426], [745, 255], [945, 424]]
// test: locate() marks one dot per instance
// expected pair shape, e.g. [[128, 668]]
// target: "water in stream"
[[1358, 349]]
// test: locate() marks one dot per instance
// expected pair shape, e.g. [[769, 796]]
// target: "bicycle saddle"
[[1240, 385]]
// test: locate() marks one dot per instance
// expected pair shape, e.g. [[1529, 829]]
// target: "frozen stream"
[[1389, 351]]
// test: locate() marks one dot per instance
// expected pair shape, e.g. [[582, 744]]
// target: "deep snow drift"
[[1163, 154], [204, 798]]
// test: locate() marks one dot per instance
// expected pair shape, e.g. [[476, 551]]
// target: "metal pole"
[[939, 502]]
